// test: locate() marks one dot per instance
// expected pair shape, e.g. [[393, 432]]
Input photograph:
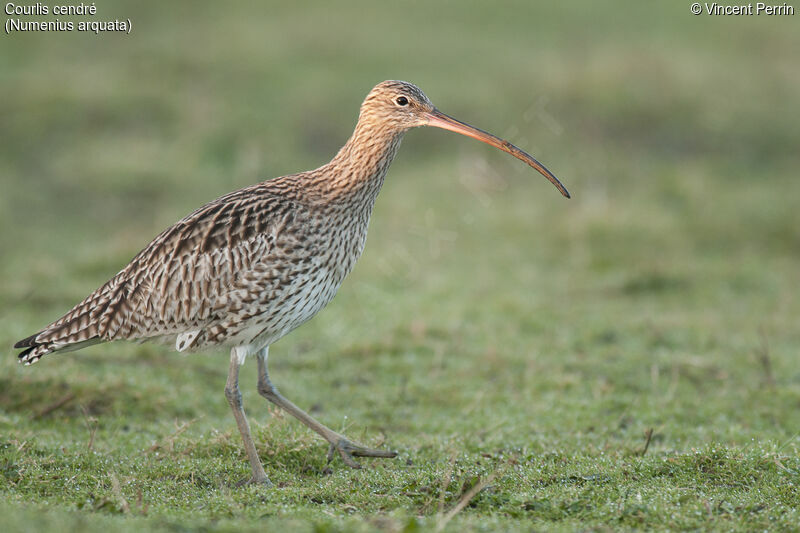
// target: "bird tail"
[[35, 349], [81, 326]]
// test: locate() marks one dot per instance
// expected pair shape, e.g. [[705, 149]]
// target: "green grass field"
[[514, 347]]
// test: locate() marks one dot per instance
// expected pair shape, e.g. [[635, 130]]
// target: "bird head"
[[400, 105], [397, 104]]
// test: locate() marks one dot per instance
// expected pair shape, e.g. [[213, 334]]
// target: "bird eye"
[[402, 101]]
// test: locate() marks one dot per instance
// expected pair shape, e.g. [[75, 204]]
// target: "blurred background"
[[666, 289]]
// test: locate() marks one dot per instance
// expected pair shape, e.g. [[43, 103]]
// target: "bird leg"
[[234, 397], [338, 442]]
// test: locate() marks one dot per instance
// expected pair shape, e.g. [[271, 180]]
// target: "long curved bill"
[[438, 119]]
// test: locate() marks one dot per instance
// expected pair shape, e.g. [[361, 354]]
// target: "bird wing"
[[174, 285]]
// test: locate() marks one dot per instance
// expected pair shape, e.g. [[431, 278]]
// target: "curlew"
[[249, 267]]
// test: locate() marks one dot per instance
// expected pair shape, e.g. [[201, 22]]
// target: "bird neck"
[[356, 173]]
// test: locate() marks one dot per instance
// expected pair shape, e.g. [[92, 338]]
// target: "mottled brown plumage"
[[249, 267]]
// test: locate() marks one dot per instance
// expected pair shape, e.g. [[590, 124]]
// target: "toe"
[[347, 451], [369, 452], [252, 480], [331, 452], [348, 459]]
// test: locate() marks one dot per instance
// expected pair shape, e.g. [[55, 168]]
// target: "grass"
[[514, 347]]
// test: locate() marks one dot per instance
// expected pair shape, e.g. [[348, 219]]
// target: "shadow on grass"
[[47, 398]]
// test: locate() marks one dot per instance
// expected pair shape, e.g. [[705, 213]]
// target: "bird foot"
[[347, 450], [255, 480]]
